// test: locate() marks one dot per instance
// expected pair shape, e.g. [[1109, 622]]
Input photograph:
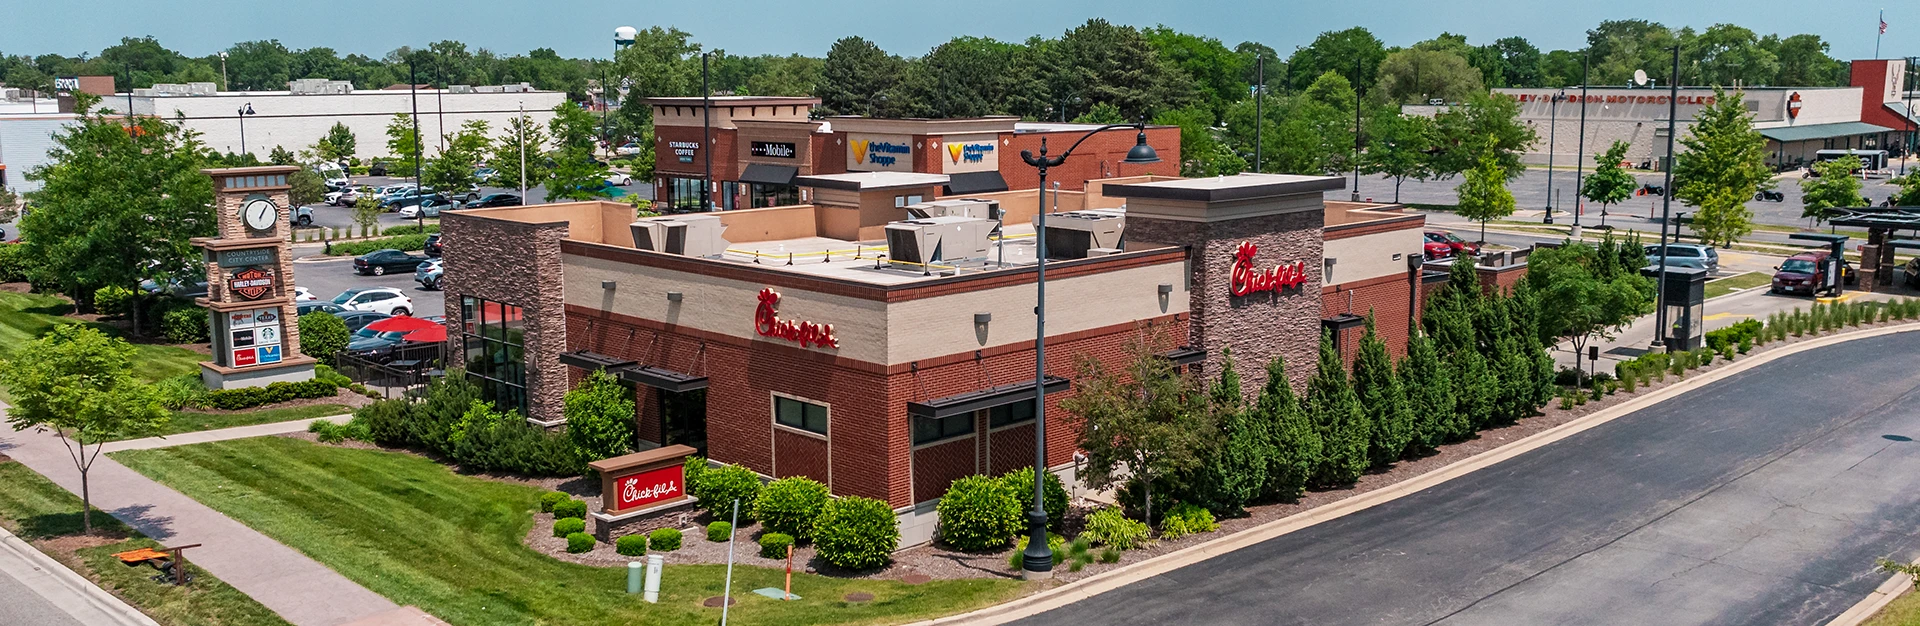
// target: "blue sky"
[[584, 27]]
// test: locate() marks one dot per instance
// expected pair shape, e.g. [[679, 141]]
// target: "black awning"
[[587, 359], [967, 403], [1185, 355], [661, 378], [975, 182], [765, 174]]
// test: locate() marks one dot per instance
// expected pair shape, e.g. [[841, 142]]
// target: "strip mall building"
[[781, 339]]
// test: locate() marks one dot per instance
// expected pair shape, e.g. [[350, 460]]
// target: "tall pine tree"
[[1233, 470], [1339, 418], [1293, 445], [1428, 382], [1386, 404]]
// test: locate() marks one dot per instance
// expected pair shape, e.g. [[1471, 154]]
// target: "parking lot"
[[340, 218]]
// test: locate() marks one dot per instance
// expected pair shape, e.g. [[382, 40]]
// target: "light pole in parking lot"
[[1666, 205], [245, 110], [1553, 135], [1580, 152], [413, 93], [522, 127]]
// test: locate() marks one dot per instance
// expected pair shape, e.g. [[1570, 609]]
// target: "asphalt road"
[[1760, 499], [342, 217], [327, 277], [20, 604]]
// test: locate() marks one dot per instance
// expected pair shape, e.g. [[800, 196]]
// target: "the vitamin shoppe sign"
[[1249, 280], [767, 323], [643, 479]]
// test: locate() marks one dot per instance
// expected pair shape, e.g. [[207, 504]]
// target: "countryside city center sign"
[[1248, 279]]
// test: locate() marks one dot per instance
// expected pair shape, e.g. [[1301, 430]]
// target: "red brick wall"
[[725, 153], [1011, 449], [937, 466], [795, 454], [829, 153], [1098, 158], [1388, 298]]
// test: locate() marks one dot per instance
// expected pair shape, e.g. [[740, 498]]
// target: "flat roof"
[[1223, 188], [735, 101], [826, 257], [1821, 131], [862, 181]]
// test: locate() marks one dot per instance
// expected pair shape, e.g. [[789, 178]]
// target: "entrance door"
[[684, 419]]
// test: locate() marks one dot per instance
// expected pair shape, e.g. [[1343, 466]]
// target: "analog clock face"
[[259, 214]]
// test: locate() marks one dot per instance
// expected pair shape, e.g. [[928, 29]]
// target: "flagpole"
[[1882, 33]]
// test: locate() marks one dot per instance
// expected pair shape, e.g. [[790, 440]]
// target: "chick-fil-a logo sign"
[[647, 487], [1248, 280], [807, 334]]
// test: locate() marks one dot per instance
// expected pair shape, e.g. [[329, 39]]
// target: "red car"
[[1441, 244]]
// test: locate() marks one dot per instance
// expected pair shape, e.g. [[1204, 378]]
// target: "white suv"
[[386, 300]]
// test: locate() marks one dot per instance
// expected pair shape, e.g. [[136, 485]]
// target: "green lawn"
[[1904, 611], [36, 510], [25, 317], [194, 421], [410, 529], [1723, 286]]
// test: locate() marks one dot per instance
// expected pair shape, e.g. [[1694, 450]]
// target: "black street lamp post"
[[1660, 331], [245, 110], [1580, 153], [1553, 139], [1037, 561]]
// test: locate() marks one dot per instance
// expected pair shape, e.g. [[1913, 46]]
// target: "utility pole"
[[1666, 206], [1356, 130], [1553, 137], [413, 93], [520, 126], [1259, 109], [1580, 158], [706, 134]]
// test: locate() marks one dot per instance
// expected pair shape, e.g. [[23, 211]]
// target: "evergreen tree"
[[1378, 388], [1543, 373], [1293, 445], [1338, 418], [1516, 376], [1479, 390], [1233, 470], [1428, 383]]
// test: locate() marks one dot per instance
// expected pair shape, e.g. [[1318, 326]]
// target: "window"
[[492, 345], [902, 201], [929, 430], [764, 196], [683, 194], [805, 416], [1010, 414]]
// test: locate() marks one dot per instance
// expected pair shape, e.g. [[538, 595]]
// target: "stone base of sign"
[[678, 514], [291, 371]]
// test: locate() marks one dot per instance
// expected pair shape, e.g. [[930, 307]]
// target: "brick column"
[[514, 263]]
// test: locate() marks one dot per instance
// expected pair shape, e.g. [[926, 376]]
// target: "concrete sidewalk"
[[35, 589], [300, 589], [223, 434]]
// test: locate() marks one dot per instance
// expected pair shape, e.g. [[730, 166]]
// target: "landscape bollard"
[[655, 563], [633, 577]]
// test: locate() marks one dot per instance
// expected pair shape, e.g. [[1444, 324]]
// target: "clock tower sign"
[[250, 281]]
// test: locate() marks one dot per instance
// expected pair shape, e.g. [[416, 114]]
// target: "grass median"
[[412, 530], [25, 317], [1737, 282], [49, 517], [196, 421]]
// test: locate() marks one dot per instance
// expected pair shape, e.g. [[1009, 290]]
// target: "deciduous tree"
[[522, 139], [1401, 148], [1609, 184], [575, 175], [600, 417], [1416, 76], [1834, 187], [855, 77], [79, 383], [1146, 423], [1484, 195], [1723, 166], [1355, 53]]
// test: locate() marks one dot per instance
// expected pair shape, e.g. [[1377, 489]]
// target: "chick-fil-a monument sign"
[[1248, 279], [642, 480]]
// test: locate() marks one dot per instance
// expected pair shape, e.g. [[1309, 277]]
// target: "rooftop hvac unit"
[[946, 238], [318, 87], [687, 235], [460, 88], [1075, 234], [959, 207]]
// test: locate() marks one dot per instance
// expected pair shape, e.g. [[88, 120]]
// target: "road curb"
[[1882, 596], [250, 431], [1088, 587], [97, 603]]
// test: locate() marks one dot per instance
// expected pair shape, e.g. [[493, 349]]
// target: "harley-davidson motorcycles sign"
[[251, 283]]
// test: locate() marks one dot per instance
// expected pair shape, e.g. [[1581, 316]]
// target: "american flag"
[[1883, 26]]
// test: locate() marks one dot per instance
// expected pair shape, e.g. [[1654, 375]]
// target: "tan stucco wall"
[[768, 224], [941, 326], [1371, 256]]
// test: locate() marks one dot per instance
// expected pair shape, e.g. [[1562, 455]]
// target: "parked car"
[[374, 345], [303, 294], [1807, 273], [618, 179], [176, 288], [356, 320], [428, 274], [484, 174], [392, 190], [493, 200], [303, 216], [430, 207], [379, 262], [1686, 255], [409, 198], [1441, 244], [305, 308], [627, 149], [433, 247], [387, 300], [377, 168], [1912, 270], [349, 196]]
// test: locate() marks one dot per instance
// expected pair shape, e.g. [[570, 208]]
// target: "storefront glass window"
[[683, 194], [729, 195], [1009, 414], [928, 430], [492, 342], [805, 416], [764, 196]]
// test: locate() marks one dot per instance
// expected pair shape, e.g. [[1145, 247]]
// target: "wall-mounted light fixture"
[[981, 319], [673, 296], [1166, 288], [606, 284]]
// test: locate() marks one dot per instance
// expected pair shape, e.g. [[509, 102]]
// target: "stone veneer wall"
[[1261, 326], [514, 263]]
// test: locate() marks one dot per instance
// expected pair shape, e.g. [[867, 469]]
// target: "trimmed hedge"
[[579, 542], [631, 545], [719, 486], [13, 264], [249, 397], [789, 506], [857, 533], [1020, 482], [719, 531], [774, 545], [568, 525], [575, 509], [664, 539], [454, 423], [548, 499], [407, 243], [184, 324], [1745, 330], [409, 229], [978, 513]]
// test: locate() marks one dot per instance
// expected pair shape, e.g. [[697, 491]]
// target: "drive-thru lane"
[[1763, 498]]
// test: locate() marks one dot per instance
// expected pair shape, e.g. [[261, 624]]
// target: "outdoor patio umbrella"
[[403, 324], [436, 334]]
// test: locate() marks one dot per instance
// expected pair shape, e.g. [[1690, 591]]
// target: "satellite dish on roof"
[[1640, 77]]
